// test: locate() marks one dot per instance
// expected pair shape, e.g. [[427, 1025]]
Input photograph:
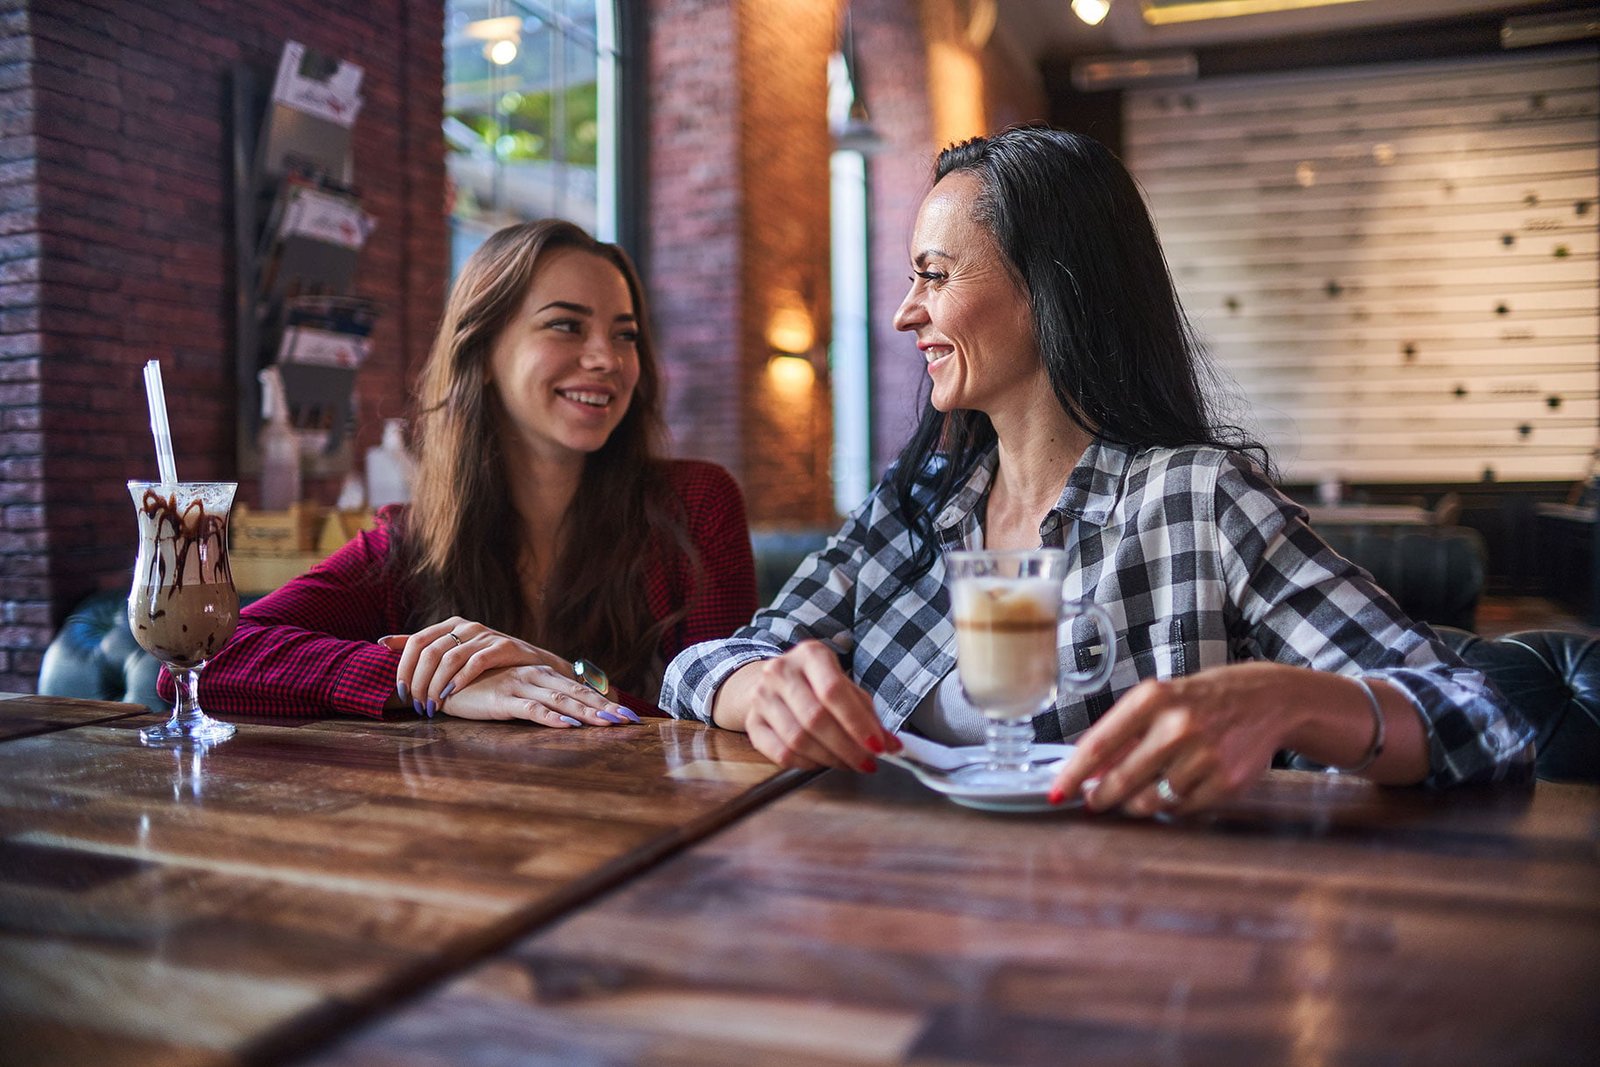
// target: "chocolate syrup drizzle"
[[191, 527]]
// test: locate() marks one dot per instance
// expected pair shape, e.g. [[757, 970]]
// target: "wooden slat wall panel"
[[1398, 266]]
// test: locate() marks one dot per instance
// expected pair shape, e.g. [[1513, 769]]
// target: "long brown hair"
[[461, 543]]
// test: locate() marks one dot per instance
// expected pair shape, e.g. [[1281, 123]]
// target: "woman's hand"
[[1210, 735], [537, 694], [800, 710], [439, 662]]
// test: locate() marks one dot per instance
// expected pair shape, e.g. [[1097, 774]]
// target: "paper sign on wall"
[[317, 84]]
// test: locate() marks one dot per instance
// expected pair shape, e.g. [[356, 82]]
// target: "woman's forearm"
[[1337, 727], [731, 704]]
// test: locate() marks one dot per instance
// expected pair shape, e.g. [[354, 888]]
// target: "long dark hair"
[[461, 543], [1119, 352]]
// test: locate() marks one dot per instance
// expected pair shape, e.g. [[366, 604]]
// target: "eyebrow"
[[582, 309], [923, 257]]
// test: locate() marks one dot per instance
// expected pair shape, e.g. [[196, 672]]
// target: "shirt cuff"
[[365, 682], [687, 693]]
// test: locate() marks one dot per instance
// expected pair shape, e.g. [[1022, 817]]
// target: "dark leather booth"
[[779, 552], [96, 656], [1435, 573], [1553, 678]]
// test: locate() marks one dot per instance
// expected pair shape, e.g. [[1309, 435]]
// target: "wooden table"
[[862, 920], [247, 901]]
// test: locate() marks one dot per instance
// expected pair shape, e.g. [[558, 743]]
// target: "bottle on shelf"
[[352, 494], [280, 449], [390, 468]]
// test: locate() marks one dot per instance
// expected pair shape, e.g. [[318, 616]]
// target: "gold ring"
[[452, 636]]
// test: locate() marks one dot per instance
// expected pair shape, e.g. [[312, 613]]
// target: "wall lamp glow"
[[1091, 11], [792, 373], [790, 338]]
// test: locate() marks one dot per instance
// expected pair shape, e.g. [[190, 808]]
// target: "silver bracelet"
[[1375, 749]]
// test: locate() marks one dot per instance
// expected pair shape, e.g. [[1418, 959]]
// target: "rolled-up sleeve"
[[1299, 602], [816, 603]]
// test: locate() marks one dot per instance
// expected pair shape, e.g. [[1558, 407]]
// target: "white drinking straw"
[[158, 422]]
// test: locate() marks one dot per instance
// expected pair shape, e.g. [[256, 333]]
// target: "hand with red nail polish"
[[801, 710]]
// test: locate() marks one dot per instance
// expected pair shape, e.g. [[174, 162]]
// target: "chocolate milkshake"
[[183, 606]]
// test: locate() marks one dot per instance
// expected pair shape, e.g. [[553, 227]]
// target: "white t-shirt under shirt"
[[946, 715]]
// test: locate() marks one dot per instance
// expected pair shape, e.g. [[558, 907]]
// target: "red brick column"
[[785, 143], [692, 223], [737, 224], [894, 79]]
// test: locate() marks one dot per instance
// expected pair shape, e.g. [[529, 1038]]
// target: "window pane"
[[528, 124]]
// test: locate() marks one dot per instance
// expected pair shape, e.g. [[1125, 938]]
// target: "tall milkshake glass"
[[183, 606]]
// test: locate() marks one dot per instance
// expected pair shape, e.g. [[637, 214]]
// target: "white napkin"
[[933, 754]]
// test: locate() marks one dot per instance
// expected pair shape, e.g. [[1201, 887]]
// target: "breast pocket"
[[1163, 650]]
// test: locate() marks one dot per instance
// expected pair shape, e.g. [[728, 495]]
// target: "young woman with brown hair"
[[546, 536]]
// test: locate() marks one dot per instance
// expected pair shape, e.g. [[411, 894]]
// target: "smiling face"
[[970, 315], [566, 364]]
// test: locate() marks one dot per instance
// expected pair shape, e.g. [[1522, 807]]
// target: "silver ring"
[[452, 636], [1169, 796]]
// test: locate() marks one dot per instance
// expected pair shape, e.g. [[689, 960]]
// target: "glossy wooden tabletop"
[[863, 920], [247, 901], [25, 716]]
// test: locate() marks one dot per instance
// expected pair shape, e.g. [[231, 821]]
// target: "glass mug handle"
[[1089, 681]]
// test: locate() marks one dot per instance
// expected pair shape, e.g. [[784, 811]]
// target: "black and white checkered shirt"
[[1199, 560]]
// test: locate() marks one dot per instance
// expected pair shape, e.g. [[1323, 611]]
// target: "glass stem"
[[186, 708], [1008, 742]]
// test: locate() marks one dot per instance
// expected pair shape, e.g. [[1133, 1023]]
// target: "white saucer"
[[981, 795]]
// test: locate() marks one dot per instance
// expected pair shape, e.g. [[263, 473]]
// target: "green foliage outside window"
[[522, 131]]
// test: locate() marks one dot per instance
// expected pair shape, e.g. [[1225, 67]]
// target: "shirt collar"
[[1091, 493], [1095, 484]]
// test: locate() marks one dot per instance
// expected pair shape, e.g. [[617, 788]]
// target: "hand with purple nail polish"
[[537, 694], [473, 671]]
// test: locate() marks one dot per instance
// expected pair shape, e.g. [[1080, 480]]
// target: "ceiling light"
[[501, 52], [1091, 11], [1092, 73]]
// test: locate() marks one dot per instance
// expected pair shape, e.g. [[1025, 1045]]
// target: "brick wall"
[[737, 223], [24, 584], [893, 74], [118, 249], [892, 42], [785, 145], [692, 229]]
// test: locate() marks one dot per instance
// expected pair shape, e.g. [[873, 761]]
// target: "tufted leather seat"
[[1553, 678], [96, 656], [779, 552]]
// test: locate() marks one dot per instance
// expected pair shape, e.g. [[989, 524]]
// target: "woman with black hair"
[[1067, 409]]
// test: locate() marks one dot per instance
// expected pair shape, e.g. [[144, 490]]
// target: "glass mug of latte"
[[1009, 610]]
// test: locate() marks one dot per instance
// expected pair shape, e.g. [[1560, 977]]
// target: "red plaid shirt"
[[310, 647]]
